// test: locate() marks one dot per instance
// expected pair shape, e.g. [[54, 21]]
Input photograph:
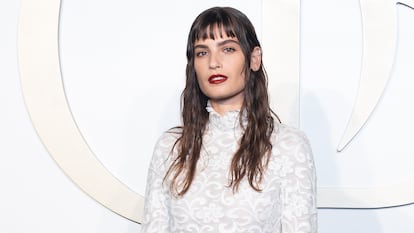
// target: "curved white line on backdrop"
[[379, 18], [379, 30], [379, 23], [50, 114], [45, 100]]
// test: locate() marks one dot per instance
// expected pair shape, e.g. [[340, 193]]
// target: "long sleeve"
[[157, 199], [298, 193]]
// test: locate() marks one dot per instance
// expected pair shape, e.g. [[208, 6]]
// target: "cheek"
[[197, 69], [199, 78], [238, 65]]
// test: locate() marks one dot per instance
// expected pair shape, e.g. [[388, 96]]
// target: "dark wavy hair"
[[252, 157]]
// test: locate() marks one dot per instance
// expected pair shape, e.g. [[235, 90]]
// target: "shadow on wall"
[[317, 127]]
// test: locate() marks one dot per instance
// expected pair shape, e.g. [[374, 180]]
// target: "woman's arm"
[[156, 208], [299, 213]]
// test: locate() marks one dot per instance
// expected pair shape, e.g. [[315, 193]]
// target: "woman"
[[231, 167]]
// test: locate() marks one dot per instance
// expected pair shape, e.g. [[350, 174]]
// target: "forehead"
[[215, 31], [220, 41]]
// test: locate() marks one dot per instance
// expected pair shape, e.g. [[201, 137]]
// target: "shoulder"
[[291, 143], [291, 153], [288, 135], [164, 146], [168, 138]]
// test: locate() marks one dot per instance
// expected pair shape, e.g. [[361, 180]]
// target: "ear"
[[256, 59]]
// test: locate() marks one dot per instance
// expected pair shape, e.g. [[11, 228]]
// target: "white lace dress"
[[287, 203]]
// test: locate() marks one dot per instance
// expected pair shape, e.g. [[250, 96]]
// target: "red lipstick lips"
[[217, 78]]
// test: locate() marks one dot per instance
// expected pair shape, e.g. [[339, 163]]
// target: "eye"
[[229, 49], [201, 53]]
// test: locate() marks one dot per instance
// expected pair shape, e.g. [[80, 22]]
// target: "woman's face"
[[219, 65]]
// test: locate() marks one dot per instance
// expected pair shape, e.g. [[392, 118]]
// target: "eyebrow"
[[221, 43]]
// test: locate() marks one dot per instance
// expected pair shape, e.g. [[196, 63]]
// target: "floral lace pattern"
[[287, 203]]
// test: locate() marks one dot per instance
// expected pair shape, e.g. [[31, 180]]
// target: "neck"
[[223, 107]]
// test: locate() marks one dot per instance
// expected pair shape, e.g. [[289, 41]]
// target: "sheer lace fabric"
[[287, 203]]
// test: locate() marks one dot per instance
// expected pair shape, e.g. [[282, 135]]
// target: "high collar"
[[228, 121]]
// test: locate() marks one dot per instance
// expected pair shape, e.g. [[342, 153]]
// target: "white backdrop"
[[123, 69]]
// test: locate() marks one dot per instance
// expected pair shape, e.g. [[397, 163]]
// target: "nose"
[[214, 61]]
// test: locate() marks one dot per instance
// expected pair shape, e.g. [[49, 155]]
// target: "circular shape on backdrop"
[[44, 95]]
